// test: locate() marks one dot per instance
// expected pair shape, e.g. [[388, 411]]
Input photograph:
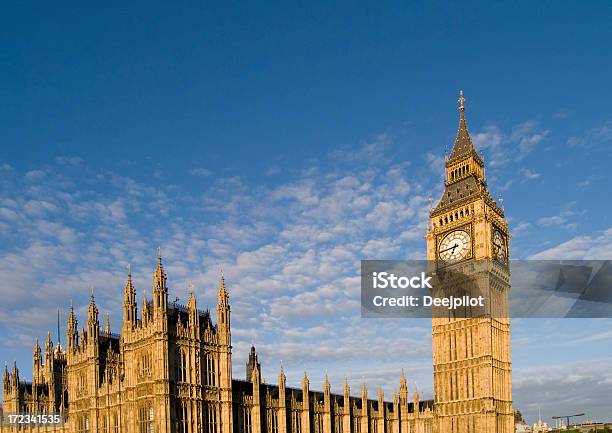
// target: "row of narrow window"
[[457, 215], [182, 418], [460, 172], [180, 366], [212, 418], [181, 371], [145, 419], [145, 364]]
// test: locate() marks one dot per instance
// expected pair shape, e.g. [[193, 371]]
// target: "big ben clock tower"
[[468, 236]]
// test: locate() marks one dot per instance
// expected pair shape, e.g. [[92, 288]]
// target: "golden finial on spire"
[[129, 269], [461, 101]]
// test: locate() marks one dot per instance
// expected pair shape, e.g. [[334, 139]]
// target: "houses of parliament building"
[[170, 368]]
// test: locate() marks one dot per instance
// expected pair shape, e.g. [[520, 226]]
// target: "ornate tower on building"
[[467, 244]]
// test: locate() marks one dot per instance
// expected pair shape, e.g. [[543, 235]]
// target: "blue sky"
[[286, 143]]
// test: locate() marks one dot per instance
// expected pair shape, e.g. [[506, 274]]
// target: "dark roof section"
[[465, 188], [246, 387], [463, 142]]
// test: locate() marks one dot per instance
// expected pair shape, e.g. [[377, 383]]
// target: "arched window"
[[180, 365], [115, 428], [146, 418], [151, 425]]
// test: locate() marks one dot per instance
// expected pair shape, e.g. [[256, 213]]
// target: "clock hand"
[[451, 248]]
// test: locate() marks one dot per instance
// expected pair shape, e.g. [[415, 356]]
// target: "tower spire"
[[463, 142], [93, 325], [461, 101], [107, 329], [71, 329], [59, 339], [129, 300], [160, 291]]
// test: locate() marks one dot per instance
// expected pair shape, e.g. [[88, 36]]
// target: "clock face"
[[455, 245], [499, 246]]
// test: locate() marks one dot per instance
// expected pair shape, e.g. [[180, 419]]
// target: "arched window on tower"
[[180, 365], [211, 371]]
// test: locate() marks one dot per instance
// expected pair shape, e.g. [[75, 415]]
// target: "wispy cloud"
[[580, 247], [290, 253], [594, 137], [505, 147], [200, 172]]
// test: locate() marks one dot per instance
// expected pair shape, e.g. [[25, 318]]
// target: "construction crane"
[[567, 418]]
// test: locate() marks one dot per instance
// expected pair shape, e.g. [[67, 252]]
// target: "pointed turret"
[[93, 323], [129, 301], [305, 381], [160, 291], [256, 409], [145, 308], [223, 312], [224, 336], [305, 392], [252, 363], [222, 293], [48, 347], [15, 376], [37, 350], [107, 328], [5, 380], [347, 404], [36, 364], [416, 399], [194, 317], [403, 389], [282, 400], [282, 379], [72, 336], [326, 385], [364, 408], [255, 376], [381, 395], [463, 142]]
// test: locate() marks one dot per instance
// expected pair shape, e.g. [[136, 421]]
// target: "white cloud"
[[560, 388], [200, 172], [512, 146], [580, 248], [562, 220], [528, 174], [594, 137]]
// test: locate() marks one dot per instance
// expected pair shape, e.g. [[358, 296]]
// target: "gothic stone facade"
[[170, 370]]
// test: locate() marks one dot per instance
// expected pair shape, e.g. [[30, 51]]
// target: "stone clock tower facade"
[[467, 241]]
